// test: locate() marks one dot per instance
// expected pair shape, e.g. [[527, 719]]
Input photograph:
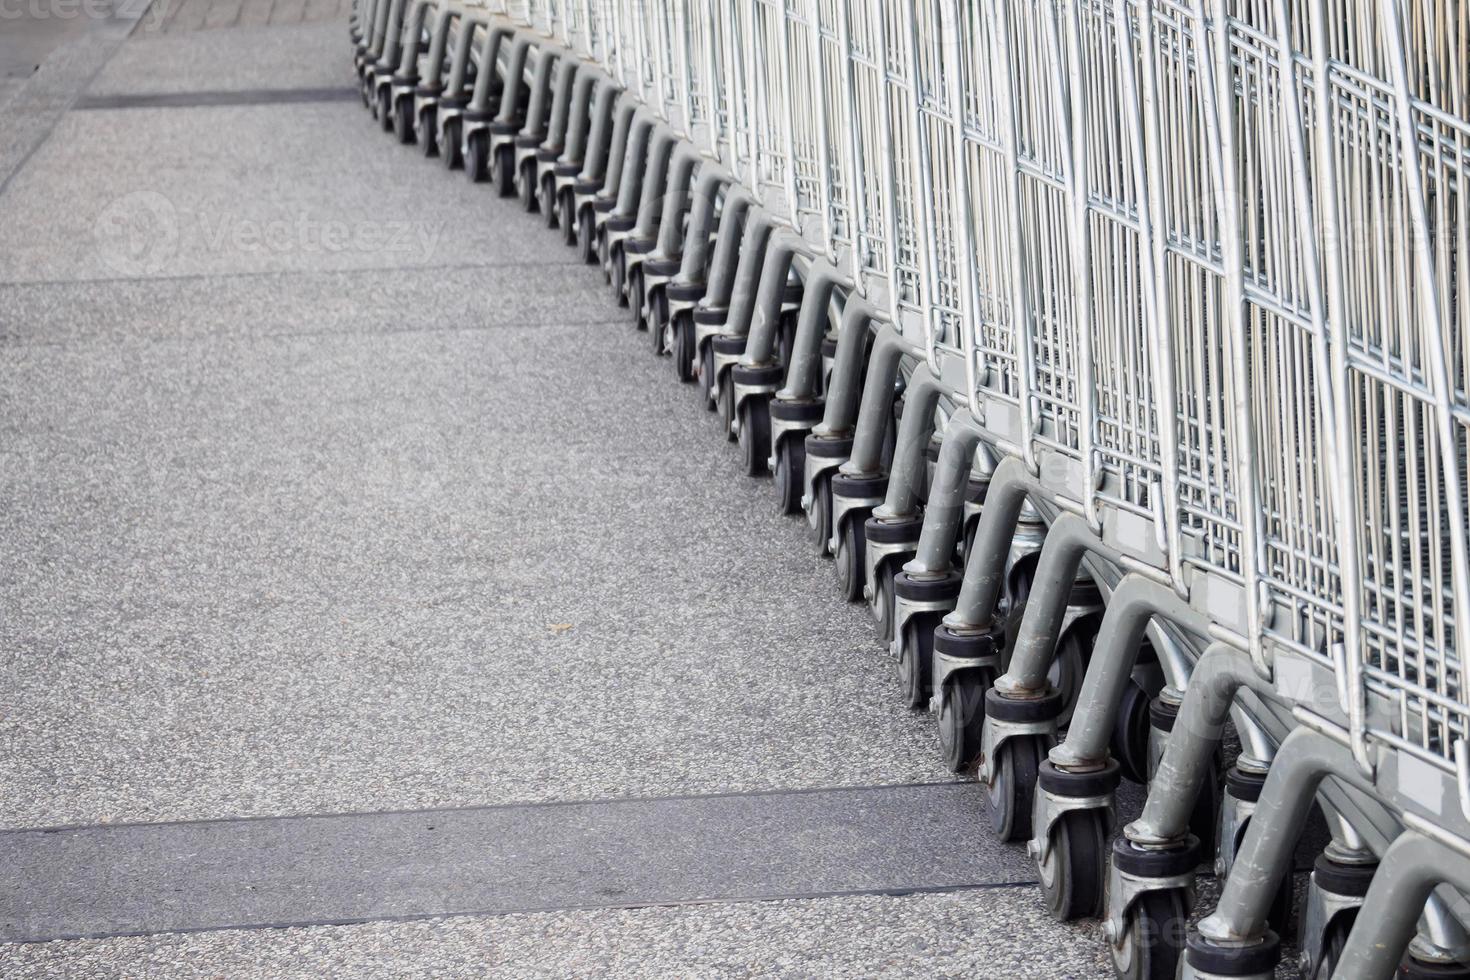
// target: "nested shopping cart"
[[1114, 348]]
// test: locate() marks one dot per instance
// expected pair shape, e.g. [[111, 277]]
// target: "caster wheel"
[[790, 471], [477, 156], [725, 402], [962, 716], [707, 374], [403, 121], [682, 329], [526, 191], [1012, 787], [586, 239], [1152, 944], [546, 204], [821, 517], [658, 326], [384, 115], [1332, 945], [362, 90], [635, 302], [1069, 668], [755, 435], [883, 612], [1130, 734], [567, 219], [1075, 873], [503, 171], [619, 279], [916, 662], [451, 146], [428, 132], [851, 545]]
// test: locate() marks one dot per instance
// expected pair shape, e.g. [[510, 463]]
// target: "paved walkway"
[[332, 485]]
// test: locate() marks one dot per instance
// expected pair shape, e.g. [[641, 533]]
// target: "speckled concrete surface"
[[210, 61], [297, 573], [988, 933]]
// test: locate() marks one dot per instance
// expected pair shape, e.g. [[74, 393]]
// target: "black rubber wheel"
[[586, 237], [567, 221], [1152, 944], [619, 280], [635, 300], [403, 121], [477, 156], [883, 606], [1074, 876], [1130, 734], [451, 147], [916, 661], [820, 520], [658, 326], [962, 716], [1012, 787], [683, 331], [526, 188], [851, 546], [790, 473], [546, 203], [707, 374], [755, 435], [503, 170], [1332, 945], [384, 114], [725, 402], [428, 135]]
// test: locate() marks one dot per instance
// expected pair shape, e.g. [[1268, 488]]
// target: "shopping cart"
[[663, 201], [819, 251], [844, 453], [1116, 351]]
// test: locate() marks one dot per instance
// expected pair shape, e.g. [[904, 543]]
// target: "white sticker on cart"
[[1133, 533], [1225, 602], [1421, 782], [1002, 418], [1294, 680]]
